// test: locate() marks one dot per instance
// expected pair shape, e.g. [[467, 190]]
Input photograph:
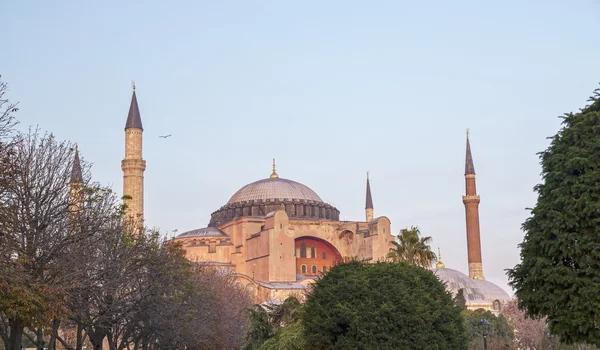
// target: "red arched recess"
[[312, 251]]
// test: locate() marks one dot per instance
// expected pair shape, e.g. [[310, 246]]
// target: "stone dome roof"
[[203, 232], [274, 188], [473, 290]]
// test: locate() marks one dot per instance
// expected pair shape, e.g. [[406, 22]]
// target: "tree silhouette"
[[411, 248]]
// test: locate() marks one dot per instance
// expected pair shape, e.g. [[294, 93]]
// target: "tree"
[[559, 273], [286, 332], [460, 300], [530, 333], [35, 257], [7, 109], [290, 337], [260, 328], [413, 249], [382, 305], [501, 332], [533, 333]]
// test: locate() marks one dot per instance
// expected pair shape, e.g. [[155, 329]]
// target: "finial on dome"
[[440, 264], [274, 174], [133, 85]]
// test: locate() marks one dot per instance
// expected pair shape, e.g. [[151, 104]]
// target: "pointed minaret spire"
[[369, 202], [134, 120], [76, 184], [469, 167], [76, 175], [471, 201]]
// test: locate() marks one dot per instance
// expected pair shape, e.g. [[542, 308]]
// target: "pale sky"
[[331, 89]]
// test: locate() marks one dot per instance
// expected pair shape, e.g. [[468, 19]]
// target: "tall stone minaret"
[[369, 202], [133, 164], [471, 201]]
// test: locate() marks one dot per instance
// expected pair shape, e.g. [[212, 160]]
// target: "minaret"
[[133, 164], [76, 183], [471, 201], [369, 202]]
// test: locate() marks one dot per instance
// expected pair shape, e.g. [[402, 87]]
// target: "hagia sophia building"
[[277, 236]]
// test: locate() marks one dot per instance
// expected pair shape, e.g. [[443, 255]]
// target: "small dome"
[[274, 188], [203, 232], [473, 290]]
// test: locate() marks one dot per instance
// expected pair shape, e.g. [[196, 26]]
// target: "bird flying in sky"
[[165, 136]]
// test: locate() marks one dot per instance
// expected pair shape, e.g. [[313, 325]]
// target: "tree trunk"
[[79, 345], [39, 339], [96, 340], [16, 333], [54, 334]]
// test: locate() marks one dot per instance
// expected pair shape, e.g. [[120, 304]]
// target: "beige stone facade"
[[262, 251]]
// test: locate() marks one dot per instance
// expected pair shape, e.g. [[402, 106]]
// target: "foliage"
[[501, 334], [7, 109], [259, 328], [290, 337], [389, 305], [285, 313], [532, 333], [411, 248], [74, 272], [36, 235], [275, 326], [559, 273], [459, 299]]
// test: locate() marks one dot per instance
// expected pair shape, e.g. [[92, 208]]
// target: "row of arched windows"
[[317, 211], [313, 252], [313, 269]]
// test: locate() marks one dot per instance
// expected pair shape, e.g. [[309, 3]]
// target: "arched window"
[[303, 268], [324, 255], [313, 252], [324, 269], [314, 269], [303, 250]]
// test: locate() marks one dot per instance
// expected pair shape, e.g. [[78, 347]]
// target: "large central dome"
[[274, 188], [262, 197]]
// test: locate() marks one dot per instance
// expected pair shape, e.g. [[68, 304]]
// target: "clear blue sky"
[[331, 89]]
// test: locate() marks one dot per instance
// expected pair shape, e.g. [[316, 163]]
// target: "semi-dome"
[[203, 232], [473, 290], [274, 188]]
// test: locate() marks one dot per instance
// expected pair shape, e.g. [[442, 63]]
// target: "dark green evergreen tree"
[[460, 300], [381, 306], [559, 273]]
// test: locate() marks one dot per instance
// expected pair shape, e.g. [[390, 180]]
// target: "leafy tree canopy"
[[460, 300], [382, 305], [501, 332], [412, 248], [559, 273]]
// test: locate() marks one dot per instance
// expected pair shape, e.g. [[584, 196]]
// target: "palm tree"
[[411, 248]]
